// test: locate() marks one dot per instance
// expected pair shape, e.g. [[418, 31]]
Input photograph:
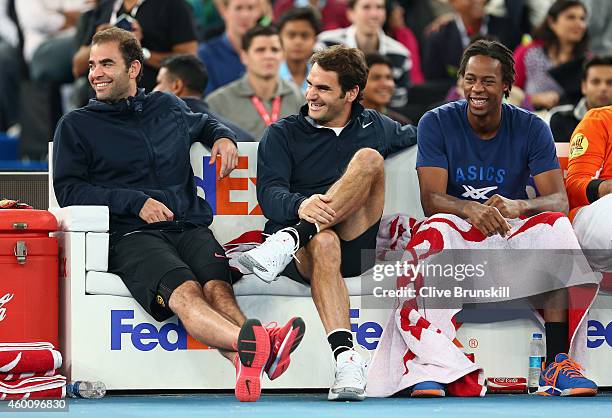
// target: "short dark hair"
[[300, 13], [129, 47], [495, 50], [348, 63], [351, 4], [190, 69], [545, 33], [595, 61], [247, 38], [374, 58]]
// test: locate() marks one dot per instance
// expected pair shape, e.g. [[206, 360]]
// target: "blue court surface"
[[316, 405]]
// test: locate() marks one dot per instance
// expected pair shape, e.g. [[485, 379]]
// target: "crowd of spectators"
[[254, 53]]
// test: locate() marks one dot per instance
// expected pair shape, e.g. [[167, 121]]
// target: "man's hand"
[[507, 207], [225, 148], [315, 209], [487, 219], [155, 211]]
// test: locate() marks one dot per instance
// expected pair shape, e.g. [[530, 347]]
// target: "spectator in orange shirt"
[[589, 186]]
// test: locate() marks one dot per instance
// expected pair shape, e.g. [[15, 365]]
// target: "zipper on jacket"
[[151, 154]]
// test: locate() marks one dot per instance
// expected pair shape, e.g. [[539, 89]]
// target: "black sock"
[[340, 340], [556, 340], [305, 231]]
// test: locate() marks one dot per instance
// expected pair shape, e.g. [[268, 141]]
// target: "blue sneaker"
[[428, 389], [563, 378]]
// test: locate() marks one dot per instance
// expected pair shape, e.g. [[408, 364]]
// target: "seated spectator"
[[367, 18], [395, 27], [163, 27], [9, 68], [589, 186], [444, 47], [597, 92], [221, 54], [380, 86], [331, 12], [207, 20], [48, 36], [298, 29], [260, 97], [185, 76], [562, 38], [48, 28]]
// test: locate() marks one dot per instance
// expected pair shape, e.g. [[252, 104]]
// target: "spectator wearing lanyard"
[[260, 97]]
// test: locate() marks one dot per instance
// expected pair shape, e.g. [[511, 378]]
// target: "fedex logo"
[[597, 334], [233, 195], [368, 333], [146, 336]]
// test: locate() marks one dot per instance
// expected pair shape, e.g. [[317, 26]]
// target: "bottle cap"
[[537, 335]]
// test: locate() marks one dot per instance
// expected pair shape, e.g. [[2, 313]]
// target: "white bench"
[[105, 335]]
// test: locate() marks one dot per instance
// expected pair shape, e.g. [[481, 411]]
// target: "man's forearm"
[[444, 203], [556, 202]]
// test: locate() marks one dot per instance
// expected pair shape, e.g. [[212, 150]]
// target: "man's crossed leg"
[[327, 244]]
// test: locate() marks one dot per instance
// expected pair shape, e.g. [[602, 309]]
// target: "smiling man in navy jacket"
[[130, 151], [321, 184]]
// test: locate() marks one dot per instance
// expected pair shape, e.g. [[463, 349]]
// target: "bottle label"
[[535, 362]]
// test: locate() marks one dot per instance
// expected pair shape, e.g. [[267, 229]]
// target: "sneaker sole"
[[290, 343], [428, 393], [579, 392], [253, 352], [348, 394], [550, 391], [254, 267]]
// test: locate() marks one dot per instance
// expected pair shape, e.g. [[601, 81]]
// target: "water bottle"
[[83, 389], [537, 352]]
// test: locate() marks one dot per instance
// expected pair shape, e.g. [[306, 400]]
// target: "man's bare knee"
[[370, 160], [183, 295], [325, 246], [212, 286]]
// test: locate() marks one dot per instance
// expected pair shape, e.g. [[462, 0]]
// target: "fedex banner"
[[171, 336], [233, 195]]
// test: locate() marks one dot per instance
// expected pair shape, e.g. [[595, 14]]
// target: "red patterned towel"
[[11, 377], [34, 387], [412, 349], [16, 358]]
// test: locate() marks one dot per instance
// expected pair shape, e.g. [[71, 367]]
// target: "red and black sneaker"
[[253, 349], [282, 343]]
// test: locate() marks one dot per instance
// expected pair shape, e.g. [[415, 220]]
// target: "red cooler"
[[29, 299]]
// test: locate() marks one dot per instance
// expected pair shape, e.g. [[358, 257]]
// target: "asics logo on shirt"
[[477, 194]]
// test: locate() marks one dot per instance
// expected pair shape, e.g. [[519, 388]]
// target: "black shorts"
[[154, 263], [357, 256]]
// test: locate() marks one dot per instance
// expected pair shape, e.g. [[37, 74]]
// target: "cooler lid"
[[26, 220]]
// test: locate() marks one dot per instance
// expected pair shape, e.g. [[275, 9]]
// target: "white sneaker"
[[270, 258], [350, 381]]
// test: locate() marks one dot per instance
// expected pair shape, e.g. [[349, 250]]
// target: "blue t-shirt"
[[477, 168], [222, 62]]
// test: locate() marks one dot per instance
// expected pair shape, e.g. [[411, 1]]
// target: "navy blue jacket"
[[123, 153], [296, 160]]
